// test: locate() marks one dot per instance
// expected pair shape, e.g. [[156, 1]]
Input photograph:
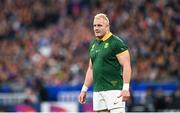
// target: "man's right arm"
[[89, 75], [87, 83]]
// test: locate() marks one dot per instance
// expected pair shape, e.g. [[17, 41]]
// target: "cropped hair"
[[103, 16]]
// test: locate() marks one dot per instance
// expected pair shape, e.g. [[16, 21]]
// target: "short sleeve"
[[119, 46]]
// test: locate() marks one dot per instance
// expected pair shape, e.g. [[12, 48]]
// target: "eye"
[[97, 25]]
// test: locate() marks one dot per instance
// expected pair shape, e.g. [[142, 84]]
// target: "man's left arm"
[[124, 60]]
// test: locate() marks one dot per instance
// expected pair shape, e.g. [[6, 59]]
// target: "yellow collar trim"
[[105, 37]]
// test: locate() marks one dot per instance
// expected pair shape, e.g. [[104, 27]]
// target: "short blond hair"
[[103, 16]]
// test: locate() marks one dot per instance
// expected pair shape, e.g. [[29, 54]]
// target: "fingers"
[[125, 98], [82, 98], [120, 95], [125, 95]]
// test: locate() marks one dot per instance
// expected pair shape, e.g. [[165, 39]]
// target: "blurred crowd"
[[45, 42], [155, 101]]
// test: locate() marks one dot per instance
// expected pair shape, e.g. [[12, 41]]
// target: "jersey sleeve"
[[120, 46]]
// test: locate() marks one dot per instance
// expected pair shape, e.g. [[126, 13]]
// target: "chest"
[[101, 50]]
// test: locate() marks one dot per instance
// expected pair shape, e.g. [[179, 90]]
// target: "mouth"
[[97, 32]]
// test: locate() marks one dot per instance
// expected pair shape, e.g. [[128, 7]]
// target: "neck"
[[100, 37]]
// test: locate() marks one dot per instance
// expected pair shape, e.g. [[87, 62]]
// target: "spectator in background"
[[160, 102], [3, 109], [176, 102], [150, 100]]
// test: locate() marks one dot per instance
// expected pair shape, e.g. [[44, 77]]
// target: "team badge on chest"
[[106, 45]]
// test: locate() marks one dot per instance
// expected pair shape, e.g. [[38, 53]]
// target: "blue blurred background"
[[43, 52]]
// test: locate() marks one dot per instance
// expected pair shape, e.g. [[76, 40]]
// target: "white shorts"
[[107, 100]]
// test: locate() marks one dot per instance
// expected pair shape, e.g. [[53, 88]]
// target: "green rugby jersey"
[[107, 71]]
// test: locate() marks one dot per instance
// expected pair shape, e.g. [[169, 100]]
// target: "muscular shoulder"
[[92, 42], [115, 40], [118, 45]]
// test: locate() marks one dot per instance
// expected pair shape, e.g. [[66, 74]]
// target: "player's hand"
[[125, 94], [82, 97]]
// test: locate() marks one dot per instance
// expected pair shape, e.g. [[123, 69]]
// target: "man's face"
[[100, 27]]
